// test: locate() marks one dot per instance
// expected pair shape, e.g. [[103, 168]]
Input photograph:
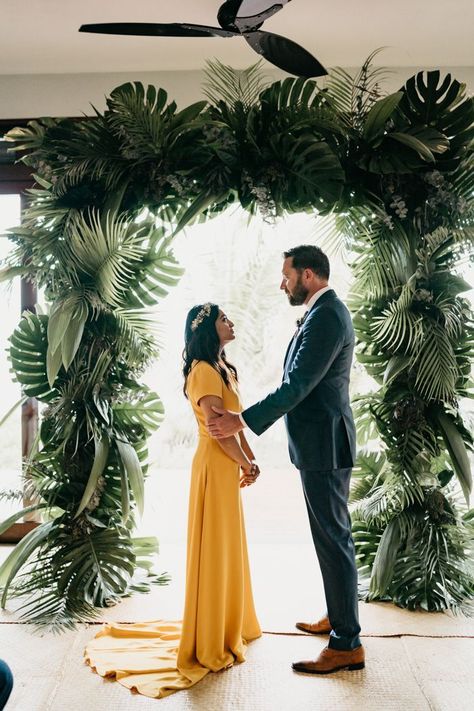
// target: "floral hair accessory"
[[203, 313]]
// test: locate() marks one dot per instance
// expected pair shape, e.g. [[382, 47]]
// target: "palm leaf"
[[367, 474], [457, 452], [233, 86], [5, 525], [380, 277], [12, 409], [396, 365], [314, 171], [379, 114], [199, 205], [435, 366], [432, 570], [157, 273], [399, 328], [98, 466], [65, 328], [108, 249], [353, 96], [133, 470], [132, 331], [366, 543], [20, 555], [426, 142], [385, 559]]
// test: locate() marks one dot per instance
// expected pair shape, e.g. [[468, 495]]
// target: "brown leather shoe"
[[331, 660], [322, 626]]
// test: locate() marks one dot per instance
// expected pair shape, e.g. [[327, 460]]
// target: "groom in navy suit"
[[314, 400]]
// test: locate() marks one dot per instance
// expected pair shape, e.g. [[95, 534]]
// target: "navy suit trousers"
[[326, 494]]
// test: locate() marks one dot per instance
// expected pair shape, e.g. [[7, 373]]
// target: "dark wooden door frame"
[[15, 178]]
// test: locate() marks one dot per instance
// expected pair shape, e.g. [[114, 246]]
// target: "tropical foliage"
[[413, 532], [112, 190], [84, 360]]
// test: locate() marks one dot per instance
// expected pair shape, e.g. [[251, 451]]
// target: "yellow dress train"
[[157, 658]]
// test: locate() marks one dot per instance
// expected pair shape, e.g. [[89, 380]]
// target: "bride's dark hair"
[[203, 343]]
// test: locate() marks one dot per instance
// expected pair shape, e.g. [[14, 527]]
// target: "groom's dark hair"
[[308, 256]]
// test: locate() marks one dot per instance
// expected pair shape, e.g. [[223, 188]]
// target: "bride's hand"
[[249, 475]]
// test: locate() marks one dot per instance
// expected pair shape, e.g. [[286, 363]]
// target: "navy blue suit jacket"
[[314, 394]]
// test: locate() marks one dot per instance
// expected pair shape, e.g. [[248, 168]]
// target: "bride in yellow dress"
[[158, 658]]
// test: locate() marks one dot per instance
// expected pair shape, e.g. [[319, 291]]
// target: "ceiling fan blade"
[[285, 54], [247, 23], [255, 12], [152, 29], [247, 15]]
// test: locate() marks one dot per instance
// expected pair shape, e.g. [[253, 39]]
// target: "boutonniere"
[[300, 321]]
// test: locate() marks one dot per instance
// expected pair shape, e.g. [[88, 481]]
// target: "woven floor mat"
[[51, 676]]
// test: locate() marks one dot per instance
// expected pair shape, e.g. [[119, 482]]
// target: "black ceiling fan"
[[236, 18]]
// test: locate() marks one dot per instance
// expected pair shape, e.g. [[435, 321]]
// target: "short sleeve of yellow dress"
[[203, 379], [158, 658]]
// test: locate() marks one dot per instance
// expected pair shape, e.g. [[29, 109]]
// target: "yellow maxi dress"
[[157, 658]]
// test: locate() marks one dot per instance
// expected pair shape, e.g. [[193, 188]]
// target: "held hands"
[[249, 475], [226, 425]]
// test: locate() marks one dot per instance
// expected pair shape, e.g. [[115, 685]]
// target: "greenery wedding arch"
[[392, 175]]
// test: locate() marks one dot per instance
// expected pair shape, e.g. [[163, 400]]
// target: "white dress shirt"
[[309, 306], [316, 296]]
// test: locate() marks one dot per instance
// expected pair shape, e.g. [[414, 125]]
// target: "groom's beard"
[[299, 294]]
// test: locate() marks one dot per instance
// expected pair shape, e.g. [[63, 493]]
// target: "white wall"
[[28, 96]]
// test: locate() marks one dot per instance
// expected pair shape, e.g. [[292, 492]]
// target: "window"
[[10, 295]]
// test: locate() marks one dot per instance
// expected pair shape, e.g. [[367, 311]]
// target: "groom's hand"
[[226, 425]]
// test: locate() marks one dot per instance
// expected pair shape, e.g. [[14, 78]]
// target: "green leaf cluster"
[[396, 171]]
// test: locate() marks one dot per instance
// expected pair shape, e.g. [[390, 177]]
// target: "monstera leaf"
[[313, 172], [443, 107], [428, 101], [96, 569], [145, 121], [291, 92], [29, 345], [430, 123], [287, 150], [31, 136], [144, 411]]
